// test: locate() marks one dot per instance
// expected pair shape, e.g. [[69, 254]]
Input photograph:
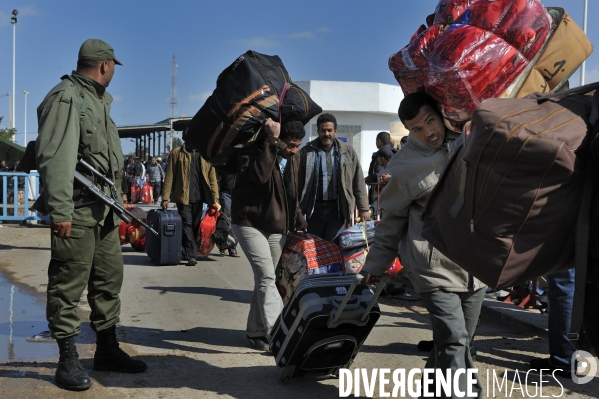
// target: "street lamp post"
[[584, 28], [25, 124], [13, 21]]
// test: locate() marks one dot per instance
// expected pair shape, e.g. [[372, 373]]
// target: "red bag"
[[135, 193], [146, 193], [132, 232], [205, 240]]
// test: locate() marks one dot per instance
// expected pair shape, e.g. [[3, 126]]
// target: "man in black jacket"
[[383, 140], [264, 209]]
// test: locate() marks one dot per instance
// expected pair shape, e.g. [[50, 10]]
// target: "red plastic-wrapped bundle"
[[524, 24], [132, 232], [146, 193], [461, 65], [449, 11], [123, 233], [205, 239]]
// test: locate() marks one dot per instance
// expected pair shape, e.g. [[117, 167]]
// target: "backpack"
[[221, 235]]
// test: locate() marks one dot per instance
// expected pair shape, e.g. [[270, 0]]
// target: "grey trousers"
[[454, 316], [263, 251]]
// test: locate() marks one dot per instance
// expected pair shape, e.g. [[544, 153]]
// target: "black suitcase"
[[164, 248], [323, 326]]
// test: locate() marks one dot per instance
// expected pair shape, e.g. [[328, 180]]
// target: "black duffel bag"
[[246, 94]]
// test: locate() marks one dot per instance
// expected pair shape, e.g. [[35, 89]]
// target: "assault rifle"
[[112, 201], [28, 163]]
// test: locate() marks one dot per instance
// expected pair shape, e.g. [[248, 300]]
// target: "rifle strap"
[[83, 138]]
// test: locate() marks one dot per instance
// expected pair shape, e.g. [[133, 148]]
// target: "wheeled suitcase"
[[323, 326], [164, 248]]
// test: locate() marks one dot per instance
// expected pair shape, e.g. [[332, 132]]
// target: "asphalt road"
[[188, 325]]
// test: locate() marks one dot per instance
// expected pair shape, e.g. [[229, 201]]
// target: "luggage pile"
[[253, 88], [133, 233], [473, 50], [355, 241]]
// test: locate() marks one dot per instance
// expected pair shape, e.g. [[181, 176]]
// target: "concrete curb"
[[514, 317]]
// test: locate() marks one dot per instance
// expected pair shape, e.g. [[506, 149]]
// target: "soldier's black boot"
[[110, 357], [70, 375]]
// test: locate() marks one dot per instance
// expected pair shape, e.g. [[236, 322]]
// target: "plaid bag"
[[304, 255]]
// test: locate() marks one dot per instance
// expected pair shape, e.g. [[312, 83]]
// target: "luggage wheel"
[[287, 374]]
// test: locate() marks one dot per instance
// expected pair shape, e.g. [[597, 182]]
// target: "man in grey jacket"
[[452, 296], [331, 182]]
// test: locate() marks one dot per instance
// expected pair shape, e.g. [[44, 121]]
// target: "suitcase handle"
[[357, 280], [384, 278], [353, 303]]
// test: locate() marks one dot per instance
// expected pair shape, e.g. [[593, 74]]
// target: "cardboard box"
[[565, 51]]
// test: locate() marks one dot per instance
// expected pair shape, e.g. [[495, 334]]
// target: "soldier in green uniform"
[[74, 122]]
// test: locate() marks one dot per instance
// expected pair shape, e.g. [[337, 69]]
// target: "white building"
[[362, 111]]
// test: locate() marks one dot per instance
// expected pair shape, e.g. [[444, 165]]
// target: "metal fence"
[[18, 192]]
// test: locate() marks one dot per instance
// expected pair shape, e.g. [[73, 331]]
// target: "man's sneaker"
[[545, 364], [191, 262], [259, 343]]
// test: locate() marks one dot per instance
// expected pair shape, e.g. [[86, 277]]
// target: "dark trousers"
[[90, 258], [325, 221], [225, 202], [157, 187], [191, 216]]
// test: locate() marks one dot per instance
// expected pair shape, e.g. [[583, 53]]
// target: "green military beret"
[[97, 50]]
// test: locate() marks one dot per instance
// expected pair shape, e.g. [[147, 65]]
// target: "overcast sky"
[[317, 40]]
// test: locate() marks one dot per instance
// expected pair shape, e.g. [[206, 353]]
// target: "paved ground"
[[187, 324]]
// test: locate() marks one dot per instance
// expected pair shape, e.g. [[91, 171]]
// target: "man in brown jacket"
[[190, 182], [331, 182]]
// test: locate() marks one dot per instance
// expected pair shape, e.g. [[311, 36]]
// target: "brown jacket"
[[352, 189], [176, 179], [259, 198]]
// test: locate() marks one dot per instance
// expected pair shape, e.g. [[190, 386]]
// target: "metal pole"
[[584, 28], [170, 121], [13, 21], [25, 124]]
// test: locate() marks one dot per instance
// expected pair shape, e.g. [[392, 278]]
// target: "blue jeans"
[[559, 300]]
